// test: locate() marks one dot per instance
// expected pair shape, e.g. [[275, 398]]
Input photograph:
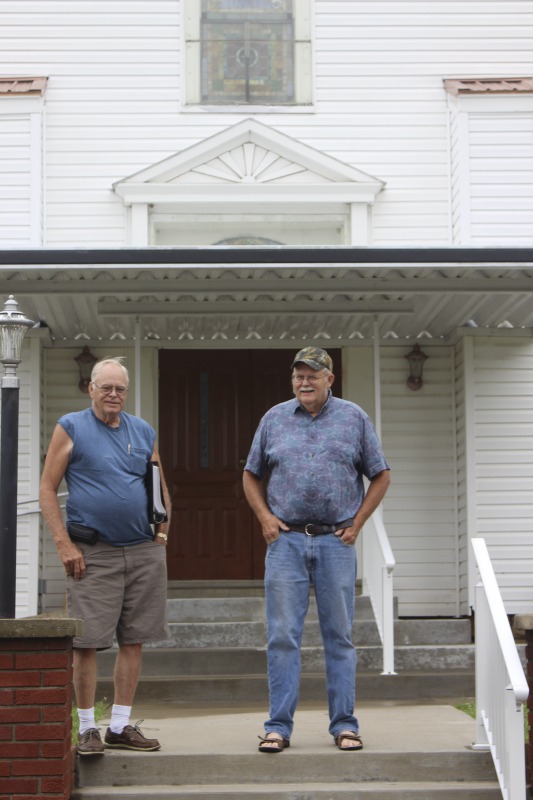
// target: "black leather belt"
[[317, 529]]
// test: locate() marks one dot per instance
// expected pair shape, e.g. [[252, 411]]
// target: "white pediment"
[[257, 162]]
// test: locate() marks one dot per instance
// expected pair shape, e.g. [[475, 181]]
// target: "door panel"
[[211, 402]]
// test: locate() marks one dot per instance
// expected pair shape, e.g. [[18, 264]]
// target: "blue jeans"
[[294, 562]]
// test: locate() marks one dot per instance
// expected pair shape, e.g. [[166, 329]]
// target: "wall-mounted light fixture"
[[416, 358], [85, 361]]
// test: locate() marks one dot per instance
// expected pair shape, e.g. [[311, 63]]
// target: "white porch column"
[[137, 362], [377, 380], [138, 228], [359, 224]]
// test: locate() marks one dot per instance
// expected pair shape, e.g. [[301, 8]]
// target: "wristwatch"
[[164, 536]]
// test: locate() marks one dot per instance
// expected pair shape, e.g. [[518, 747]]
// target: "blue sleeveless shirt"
[[105, 476]]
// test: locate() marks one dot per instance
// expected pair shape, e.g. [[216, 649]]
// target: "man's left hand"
[[348, 535]]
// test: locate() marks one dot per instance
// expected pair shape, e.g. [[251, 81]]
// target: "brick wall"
[[37, 759]]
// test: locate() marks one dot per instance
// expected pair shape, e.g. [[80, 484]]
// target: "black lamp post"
[[13, 326]]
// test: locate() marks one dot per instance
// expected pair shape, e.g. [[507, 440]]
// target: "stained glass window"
[[247, 52]]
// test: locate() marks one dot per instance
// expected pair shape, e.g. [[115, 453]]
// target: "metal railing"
[[378, 569], [501, 686]]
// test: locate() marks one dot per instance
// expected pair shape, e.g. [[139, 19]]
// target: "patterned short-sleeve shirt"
[[315, 466]]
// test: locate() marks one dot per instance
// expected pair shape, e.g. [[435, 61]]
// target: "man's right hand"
[[72, 559], [271, 527]]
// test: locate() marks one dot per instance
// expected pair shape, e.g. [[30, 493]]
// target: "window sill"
[[247, 109]]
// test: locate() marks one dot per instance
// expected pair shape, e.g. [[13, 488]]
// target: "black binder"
[[156, 502]]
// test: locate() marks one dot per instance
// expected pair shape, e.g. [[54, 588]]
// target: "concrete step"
[[447, 790], [253, 633], [240, 609], [199, 588], [240, 690], [232, 661], [409, 752]]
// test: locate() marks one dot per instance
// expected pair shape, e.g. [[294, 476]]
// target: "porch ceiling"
[[264, 295]]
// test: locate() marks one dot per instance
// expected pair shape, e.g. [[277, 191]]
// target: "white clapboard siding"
[[501, 179], [15, 179], [418, 430], [114, 102], [61, 395], [502, 402]]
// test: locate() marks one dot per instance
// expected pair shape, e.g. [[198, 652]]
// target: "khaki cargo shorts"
[[123, 592]]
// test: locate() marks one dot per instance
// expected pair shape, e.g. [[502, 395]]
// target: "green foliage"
[[100, 710], [469, 707]]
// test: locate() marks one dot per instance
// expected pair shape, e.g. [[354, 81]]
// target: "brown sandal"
[[275, 739], [353, 737]]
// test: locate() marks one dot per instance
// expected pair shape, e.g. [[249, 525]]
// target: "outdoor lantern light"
[[85, 361], [416, 358], [13, 326]]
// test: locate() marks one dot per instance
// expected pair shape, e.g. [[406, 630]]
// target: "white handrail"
[[27, 512], [378, 569], [501, 686]]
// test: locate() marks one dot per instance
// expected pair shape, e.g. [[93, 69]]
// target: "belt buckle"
[[308, 533]]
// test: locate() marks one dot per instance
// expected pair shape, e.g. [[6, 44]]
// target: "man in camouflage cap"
[[304, 481], [314, 357]]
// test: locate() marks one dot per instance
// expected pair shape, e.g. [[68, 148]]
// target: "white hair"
[[111, 361]]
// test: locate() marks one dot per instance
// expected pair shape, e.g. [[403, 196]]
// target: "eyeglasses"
[[106, 389], [309, 378]]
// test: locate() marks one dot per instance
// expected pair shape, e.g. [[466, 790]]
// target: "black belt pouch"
[[81, 533]]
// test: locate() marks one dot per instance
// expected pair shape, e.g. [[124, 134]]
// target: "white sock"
[[120, 717], [86, 718]]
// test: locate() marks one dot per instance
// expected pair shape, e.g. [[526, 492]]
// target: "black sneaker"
[[131, 738], [90, 743]]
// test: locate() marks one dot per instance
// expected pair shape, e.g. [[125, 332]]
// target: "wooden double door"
[[210, 404]]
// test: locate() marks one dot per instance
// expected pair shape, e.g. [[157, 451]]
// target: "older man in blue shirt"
[[304, 481]]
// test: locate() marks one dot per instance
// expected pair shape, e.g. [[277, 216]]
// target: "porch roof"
[[267, 295]]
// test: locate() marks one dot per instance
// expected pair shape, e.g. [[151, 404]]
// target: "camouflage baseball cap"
[[314, 357]]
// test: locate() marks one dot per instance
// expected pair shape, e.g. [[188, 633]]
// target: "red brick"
[[53, 714], [6, 661], [56, 644], [43, 766], [38, 696], [32, 733], [6, 732], [42, 661], [20, 679], [7, 697], [5, 768], [20, 714], [62, 796], [49, 785], [19, 644], [20, 749], [18, 785], [54, 749], [56, 677]]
